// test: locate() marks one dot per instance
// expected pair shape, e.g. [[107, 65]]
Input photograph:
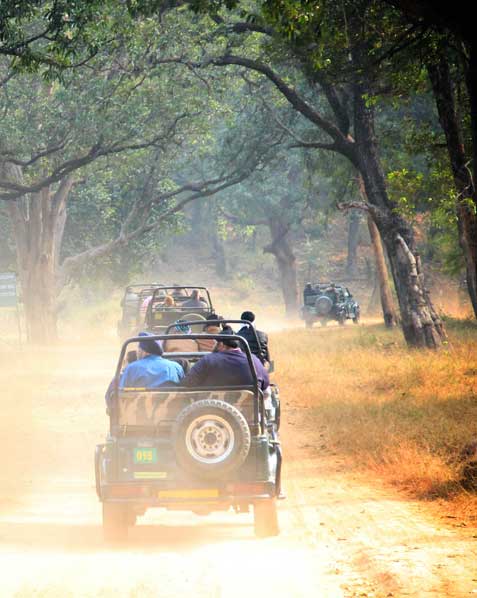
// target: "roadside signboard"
[[9, 297], [8, 289]]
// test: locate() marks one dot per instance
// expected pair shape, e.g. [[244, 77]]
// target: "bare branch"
[[353, 205], [342, 143], [199, 190], [244, 27], [42, 154], [17, 189], [300, 143]]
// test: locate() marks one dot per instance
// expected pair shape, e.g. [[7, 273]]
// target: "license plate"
[[150, 475], [195, 493], [145, 455]]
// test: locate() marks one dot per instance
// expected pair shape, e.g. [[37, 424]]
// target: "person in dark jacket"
[[246, 332], [227, 366]]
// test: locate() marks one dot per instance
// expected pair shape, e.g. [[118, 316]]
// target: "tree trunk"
[[220, 256], [441, 81], [420, 322], [281, 249], [38, 225], [198, 229], [353, 238], [387, 303]]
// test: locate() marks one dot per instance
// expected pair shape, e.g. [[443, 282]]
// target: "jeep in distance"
[[323, 302]]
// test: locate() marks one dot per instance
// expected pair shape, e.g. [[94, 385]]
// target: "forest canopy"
[[122, 122]]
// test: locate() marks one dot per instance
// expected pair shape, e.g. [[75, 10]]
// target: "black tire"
[[341, 320], [115, 521], [211, 438], [265, 518]]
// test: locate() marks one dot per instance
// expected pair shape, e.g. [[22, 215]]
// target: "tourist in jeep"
[[150, 370], [180, 345], [227, 366], [208, 344], [169, 301], [195, 300], [247, 333], [308, 290]]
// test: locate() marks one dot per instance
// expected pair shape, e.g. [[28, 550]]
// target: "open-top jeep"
[[159, 315], [194, 449], [328, 301], [132, 316]]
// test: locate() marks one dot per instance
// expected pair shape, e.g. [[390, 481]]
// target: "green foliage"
[[140, 80]]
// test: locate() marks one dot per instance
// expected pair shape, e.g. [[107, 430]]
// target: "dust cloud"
[[341, 535]]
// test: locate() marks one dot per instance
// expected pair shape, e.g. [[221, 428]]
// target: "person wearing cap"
[[180, 345], [246, 332], [150, 370], [227, 366]]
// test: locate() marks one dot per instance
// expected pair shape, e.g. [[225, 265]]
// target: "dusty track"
[[340, 535]]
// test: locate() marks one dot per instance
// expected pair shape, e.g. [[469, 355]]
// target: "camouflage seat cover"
[[152, 409]]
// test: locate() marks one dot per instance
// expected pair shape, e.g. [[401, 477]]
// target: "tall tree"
[[350, 86], [51, 132]]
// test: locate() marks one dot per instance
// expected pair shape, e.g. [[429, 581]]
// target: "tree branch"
[[342, 143], [42, 154], [16, 189], [198, 189]]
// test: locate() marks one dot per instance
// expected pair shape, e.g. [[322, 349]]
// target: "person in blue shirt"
[[151, 369]]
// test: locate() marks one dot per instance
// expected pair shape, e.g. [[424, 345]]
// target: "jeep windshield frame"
[[210, 307]]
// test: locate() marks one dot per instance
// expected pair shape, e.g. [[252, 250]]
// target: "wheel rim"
[[210, 439]]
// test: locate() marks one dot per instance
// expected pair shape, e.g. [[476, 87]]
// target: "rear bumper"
[[185, 498]]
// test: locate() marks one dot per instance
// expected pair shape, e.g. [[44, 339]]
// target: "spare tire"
[[211, 438], [323, 305]]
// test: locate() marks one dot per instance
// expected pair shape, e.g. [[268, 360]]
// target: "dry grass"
[[403, 415]]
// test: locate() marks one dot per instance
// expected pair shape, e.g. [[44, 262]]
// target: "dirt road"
[[340, 536]]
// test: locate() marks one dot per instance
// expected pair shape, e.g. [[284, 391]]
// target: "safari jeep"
[[324, 302], [199, 450], [132, 320]]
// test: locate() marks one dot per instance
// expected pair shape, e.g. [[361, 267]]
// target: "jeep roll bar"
[[164, 337], [140, 288], [258, 408], [218, 322]]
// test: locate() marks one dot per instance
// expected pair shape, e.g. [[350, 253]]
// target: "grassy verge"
[[403, 415]]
